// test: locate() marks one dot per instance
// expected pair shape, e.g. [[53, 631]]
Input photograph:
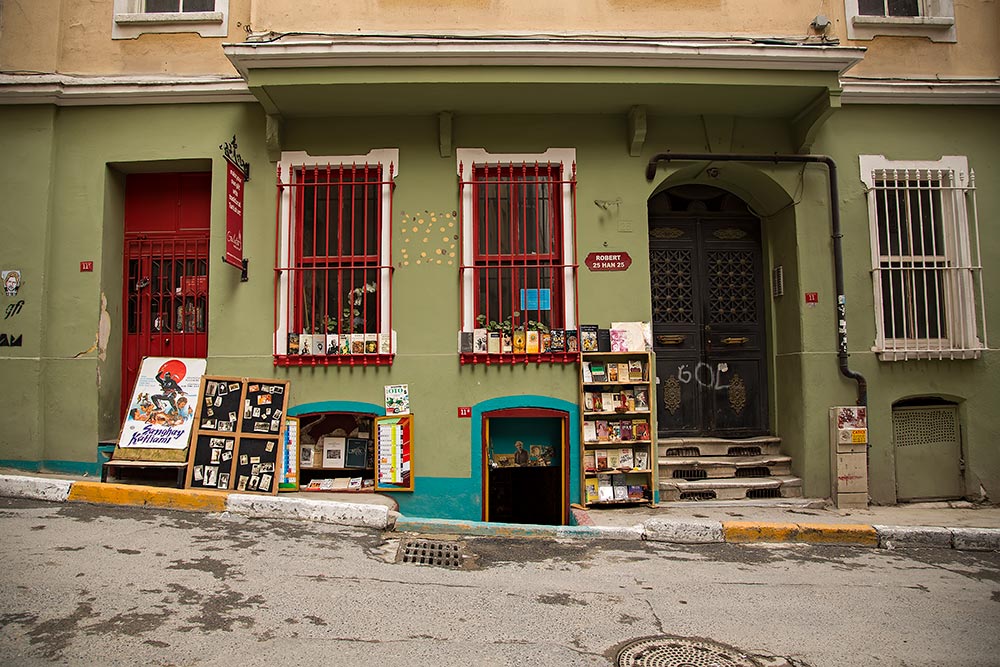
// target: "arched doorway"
[[707, 287]]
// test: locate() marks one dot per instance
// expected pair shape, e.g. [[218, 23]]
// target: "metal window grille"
[[156, 6], [334, 279], [927, 267], [519, 271], [890, 7]]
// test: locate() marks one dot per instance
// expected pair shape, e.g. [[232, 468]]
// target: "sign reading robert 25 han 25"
[[161, 411]]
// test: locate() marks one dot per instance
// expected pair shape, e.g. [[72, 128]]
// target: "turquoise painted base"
[[75, 468]]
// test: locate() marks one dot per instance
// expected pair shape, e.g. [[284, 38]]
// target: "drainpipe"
[[835, 234]]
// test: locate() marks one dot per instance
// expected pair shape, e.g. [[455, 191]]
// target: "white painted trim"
[[65, 90], [916, 91], [362, 51], [468, 159], [389, 159], [129, 20]]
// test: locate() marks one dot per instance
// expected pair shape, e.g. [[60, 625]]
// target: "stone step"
[[730, 488], [698, 447], [673, 467]]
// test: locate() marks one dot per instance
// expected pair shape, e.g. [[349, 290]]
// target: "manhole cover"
[[667, 651], [431, 552]]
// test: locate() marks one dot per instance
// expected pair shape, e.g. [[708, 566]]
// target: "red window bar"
[[519, 272], [333, 292]]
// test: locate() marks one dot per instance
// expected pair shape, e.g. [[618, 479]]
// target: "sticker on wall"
[[429, 238], [11, 282], [13, 309]]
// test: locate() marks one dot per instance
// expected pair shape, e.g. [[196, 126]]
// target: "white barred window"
[[926, 264]]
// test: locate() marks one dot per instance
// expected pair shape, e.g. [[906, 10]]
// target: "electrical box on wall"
[[849, 456]]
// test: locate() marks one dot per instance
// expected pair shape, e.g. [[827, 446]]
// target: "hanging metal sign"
[[237, 173]]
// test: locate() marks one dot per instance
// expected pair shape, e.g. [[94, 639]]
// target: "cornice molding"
[[68, 90], [343, 51], [920, 91]]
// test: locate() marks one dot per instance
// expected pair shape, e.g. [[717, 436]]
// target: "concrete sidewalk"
[[957, 525]]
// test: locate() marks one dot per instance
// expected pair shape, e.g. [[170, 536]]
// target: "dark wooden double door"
[[708, 324]]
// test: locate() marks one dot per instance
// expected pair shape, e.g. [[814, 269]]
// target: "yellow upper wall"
[[74, 37]]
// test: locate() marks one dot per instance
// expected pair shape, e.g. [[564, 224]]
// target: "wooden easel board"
[[237, 442]]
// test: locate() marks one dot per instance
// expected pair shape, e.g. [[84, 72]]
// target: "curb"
[[379, 517]]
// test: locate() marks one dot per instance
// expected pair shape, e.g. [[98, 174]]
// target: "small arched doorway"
[[707, 288]]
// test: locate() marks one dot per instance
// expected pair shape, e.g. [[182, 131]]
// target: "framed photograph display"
[[239, 437]]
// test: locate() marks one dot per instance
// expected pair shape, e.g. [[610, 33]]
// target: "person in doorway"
[[520, 455]]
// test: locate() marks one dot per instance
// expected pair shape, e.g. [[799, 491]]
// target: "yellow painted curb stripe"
[[808, 533], [147, 496], [854, 534], [758, 531]]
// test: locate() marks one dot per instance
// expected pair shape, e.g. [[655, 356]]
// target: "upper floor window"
[[208, 18], [334, 271], [925, 258], [934, 19], [518, 238]]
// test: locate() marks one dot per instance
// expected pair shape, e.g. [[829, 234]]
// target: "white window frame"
[[292, 160], [964, 304], [470, 158], [936, 22], [130, 20]]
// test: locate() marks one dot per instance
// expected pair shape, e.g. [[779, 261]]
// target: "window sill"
[[333, 359], [934, 28], [937, 355], [513, 359], [931, 22], [168, 18]]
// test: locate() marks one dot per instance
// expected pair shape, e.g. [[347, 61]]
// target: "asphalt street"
[[87, 585]]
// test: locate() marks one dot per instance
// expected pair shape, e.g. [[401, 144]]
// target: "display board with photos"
[[238, 437]]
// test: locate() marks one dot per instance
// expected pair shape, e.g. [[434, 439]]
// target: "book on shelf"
[[357, 453], [641, 459], [545, 340], [354, 483], [589, 431], [635, 370], [635, 334], [603, 340], [385, 342], [626, 460], [479, 341], [608, 400], [589, 461], [371, 343], [306, 456], [465, 342], [319, 344], [625, 428], [598, 371], [333, 451], [601, 459], [293, 343], [506, 342], [357, 343], [572, 340], [305, 343], [588, 375], [617, 340], [588, 401], [598, 400], [641, 399], [614, 431], [558, 343], [588, 337], [620, 487], [605, 490], [493, 342], [623, 375], [602, 430], [345, 344], [532, 342], [612, 370], [592, 493], [627, 398], [519, 342], [640, 429], [612, 458], [332, 344], [635, 492]]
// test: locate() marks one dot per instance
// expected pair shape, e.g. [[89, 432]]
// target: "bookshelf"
[[616, 397]]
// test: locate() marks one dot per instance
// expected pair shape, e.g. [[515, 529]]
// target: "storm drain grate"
[[667, 651], [698, 495], [431, 552], [763, 493]]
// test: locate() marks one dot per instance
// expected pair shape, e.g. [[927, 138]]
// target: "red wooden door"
[[167, 219]]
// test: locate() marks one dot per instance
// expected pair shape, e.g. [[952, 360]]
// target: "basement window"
[[933, 19], [208, 18]]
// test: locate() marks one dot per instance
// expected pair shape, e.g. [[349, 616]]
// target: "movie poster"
[[161, 412]]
